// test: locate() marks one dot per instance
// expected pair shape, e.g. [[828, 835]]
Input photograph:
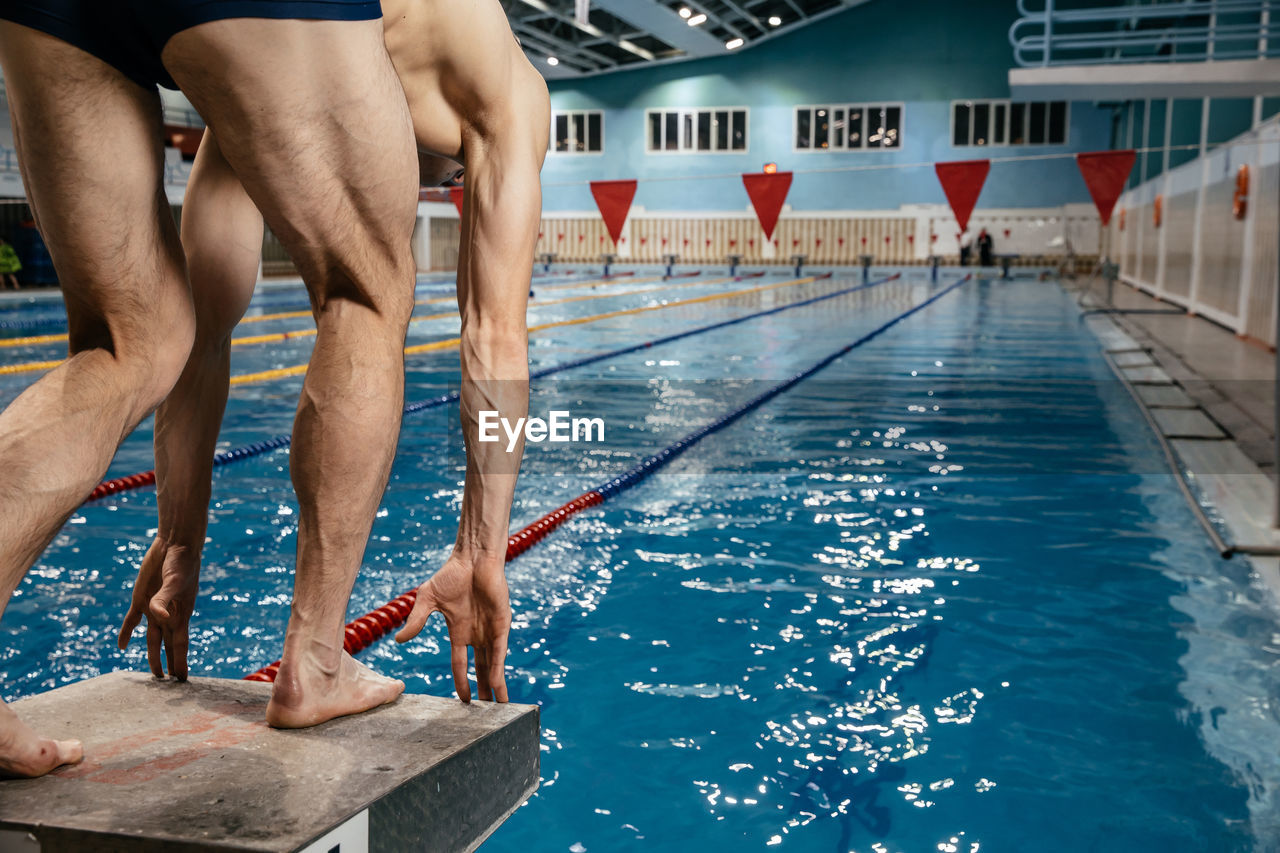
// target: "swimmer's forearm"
[[495, 379], [186, 436]]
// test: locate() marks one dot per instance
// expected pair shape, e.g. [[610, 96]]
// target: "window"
[[849, 127], [721, 129], [578, 132], [1006, 123]]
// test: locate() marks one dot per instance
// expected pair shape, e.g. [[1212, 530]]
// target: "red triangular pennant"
[[614, 200], [767, 192], [455, 196], [962, 182], [1105, 173]]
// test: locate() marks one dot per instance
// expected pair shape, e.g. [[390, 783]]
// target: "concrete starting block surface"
[[194, 767]]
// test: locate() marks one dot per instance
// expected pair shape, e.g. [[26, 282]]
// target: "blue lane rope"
[[276, 442], [662, 457]]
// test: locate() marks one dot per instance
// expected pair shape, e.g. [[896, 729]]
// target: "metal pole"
[[1048, 29], [1275, 425]]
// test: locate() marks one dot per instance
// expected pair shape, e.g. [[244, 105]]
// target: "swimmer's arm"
[[502, 208], [501, 212], [222, 239]]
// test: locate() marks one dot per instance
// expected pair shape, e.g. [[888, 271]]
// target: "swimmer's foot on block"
[[194, 767], [308, 694]]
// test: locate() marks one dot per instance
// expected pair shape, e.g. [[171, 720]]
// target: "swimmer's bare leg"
[[332, 166], [222, 239], [88, 141]]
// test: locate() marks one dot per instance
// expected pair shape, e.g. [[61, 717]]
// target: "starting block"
[[182, 767]]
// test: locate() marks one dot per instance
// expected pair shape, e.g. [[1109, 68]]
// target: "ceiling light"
[[732, 44], [697, 19], [551, 60], [685, 12], [774, 20]]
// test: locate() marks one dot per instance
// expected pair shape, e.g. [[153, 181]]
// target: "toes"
[[393, 691], [69, 751]]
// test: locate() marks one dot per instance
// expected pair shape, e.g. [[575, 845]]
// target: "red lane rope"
[[122, 484], [361, 633]]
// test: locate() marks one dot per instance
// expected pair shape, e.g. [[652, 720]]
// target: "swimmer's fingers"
[[484, 687], [461, 684], [143, 588], [154, 641], [495, 667], [175, 645], [170, 610], [131, 621], [423, 606]]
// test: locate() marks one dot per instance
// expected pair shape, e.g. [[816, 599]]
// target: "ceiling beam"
[[746, 16], [562, 49], [663, 23], [589, 28]]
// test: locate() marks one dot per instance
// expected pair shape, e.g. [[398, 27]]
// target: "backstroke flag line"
[[962, 182], [1105, 174], [614, 200], [767, 191]]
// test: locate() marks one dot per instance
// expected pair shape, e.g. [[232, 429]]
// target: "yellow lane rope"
[[36, 340], [30, 366], [246, 340], [452, 343], [32, 340], [310, 333], [440, 300]]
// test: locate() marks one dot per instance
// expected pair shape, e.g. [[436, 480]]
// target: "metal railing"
[[1150, 31]]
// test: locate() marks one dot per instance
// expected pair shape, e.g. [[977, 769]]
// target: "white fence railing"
[[1200, 254]]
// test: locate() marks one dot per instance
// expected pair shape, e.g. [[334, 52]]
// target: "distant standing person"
[[966, 250], [985, 249], [10, 266]]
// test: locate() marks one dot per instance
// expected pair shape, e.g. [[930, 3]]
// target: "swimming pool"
[[941, 596]]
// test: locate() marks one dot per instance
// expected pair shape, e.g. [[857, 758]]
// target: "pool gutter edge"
[[1205, 456]]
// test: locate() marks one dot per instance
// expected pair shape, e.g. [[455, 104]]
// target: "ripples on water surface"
[[941, 597]]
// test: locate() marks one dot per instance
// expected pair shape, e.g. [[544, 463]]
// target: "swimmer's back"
[[464, 57]]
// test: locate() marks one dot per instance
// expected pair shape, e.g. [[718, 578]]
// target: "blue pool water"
[[941, 596]]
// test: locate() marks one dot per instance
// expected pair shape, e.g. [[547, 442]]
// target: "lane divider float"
[[453, 343], [36, 340], [360, 633], [279, 337], [147, 478]]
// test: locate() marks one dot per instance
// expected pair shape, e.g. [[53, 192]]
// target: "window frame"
[[691, 114], [993, 104], [586, 129], [847, 106]]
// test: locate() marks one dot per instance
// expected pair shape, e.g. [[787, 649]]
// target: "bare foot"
[[24, 753], [307, 693]]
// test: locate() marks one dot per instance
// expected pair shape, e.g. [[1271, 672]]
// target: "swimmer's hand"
[[165, 593], [477, 612]]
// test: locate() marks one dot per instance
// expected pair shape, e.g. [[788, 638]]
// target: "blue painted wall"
[[924, 54]]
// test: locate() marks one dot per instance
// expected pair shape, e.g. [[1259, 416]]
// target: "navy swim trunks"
[[130, 34]]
